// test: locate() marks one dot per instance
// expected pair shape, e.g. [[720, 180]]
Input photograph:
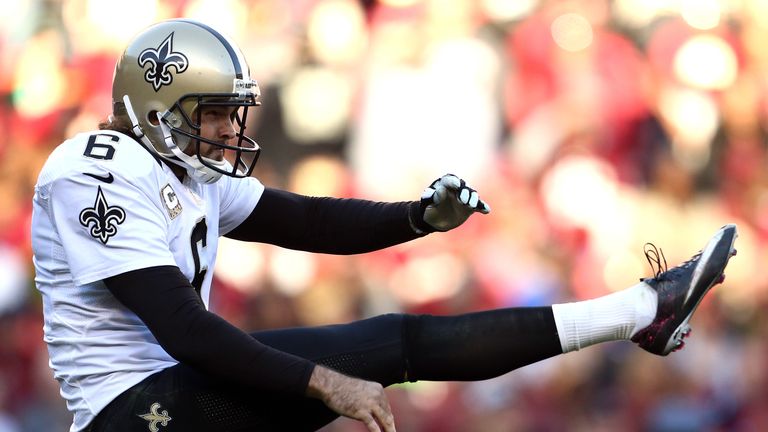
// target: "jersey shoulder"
[[102, 155]]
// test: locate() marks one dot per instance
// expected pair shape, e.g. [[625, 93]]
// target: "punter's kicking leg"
[[388, 349], [396, 348]]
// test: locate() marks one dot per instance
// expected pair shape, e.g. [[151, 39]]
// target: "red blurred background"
[[590, 126]]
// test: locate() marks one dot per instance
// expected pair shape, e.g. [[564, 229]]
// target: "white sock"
[[616, 316]]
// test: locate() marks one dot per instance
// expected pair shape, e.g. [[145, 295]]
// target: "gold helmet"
[[168, 73]]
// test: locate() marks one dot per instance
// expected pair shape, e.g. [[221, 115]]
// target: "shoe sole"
[[675, 342]]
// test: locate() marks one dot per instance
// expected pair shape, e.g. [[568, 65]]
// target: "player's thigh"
[[182, 399], [371, 349]]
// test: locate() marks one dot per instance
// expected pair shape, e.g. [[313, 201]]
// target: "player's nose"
[[227, 129]]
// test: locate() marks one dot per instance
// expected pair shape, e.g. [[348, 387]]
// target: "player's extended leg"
[[388, 349], [654, 313], [395, 348]]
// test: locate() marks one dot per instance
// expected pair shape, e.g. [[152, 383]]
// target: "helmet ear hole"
[[152, 118]]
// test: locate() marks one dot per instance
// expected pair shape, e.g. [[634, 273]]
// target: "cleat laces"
[[658, 262]]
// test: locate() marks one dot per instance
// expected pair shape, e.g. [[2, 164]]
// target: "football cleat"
[[680, 290]]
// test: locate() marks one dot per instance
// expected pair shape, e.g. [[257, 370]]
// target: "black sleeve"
[[329, 225], [169, 306]]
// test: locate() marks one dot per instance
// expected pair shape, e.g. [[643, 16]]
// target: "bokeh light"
[[316, 104], [572, 32], [706, 62], [92, 27], [640, 13], [134, 15], [336, 31], [693, 118], [39, 79], [503, 10], [231, 269], [228, 15], [702, 14]]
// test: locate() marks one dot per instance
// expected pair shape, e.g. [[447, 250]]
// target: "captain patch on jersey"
[[171, 201]]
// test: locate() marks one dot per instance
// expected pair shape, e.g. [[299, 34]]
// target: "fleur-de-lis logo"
[[102, 218], [160, 60], [156, 417]]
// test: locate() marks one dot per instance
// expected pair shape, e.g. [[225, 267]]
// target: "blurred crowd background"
[[590, 126]]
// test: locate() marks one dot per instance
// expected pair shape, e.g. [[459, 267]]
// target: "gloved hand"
[[446, 204]]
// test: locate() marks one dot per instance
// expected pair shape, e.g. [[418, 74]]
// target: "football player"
[[125, 227]]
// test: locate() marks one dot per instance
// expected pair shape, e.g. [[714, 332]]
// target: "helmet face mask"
[[164, 80], [186, 133]]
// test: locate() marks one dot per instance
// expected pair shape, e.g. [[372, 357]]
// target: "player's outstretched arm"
[[352, 397], [351, 226], [445, 204]]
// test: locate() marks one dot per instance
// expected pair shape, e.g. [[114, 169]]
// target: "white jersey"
[[103, 206]]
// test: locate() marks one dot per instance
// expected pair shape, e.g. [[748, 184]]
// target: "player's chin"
[[215, 156]]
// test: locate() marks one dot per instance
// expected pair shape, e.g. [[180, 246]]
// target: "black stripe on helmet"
[[224, 41]]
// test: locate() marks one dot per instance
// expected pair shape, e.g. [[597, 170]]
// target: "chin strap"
[[196, 170], [135, 127]]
